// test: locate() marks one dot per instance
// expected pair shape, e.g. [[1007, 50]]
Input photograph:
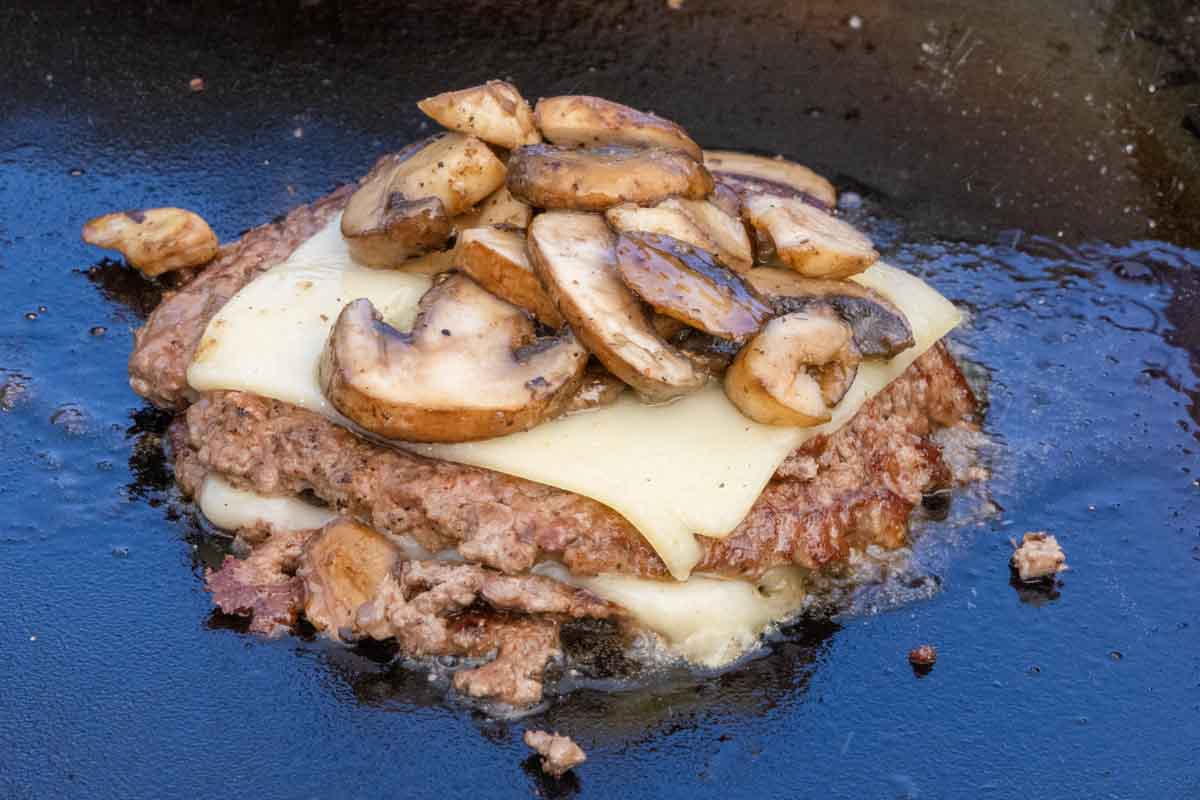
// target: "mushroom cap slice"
[[498, 208], [497, 260], [343, 566], [403, 206], [880, 329], [793, 370], [546, 176], [808, 240], [747, 174], [155, 240], [582, 120], [599, 388], [574, 256], [687, 283], [471, 368], [696, 222], [495, 112]]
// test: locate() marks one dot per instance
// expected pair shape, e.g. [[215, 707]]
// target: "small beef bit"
[[1039, 557], [558, 753], [523, 647], [922, 658], [848, 490], [529, 594], [263, 585], [164, 347]]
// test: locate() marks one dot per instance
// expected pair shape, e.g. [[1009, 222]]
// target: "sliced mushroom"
[[471, 368], [593, 180], [495, 112], [498, 262], [685, 282], [794, 370], [880, 329], [808, 240], [343, 566], [155, 240], [500, 208], [581, 120], [574, 256], [696, 222], [434, 263], [599, 388], [748, 175], [403, 207]]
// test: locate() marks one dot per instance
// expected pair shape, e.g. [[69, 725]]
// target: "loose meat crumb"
[[922, 658], [1038, 557], [263, 585], [559, 753]]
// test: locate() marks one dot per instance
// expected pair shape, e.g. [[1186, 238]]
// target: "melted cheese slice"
[[231, 508], [694, 466]]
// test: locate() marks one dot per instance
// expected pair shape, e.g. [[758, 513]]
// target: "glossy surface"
[[973, 133]]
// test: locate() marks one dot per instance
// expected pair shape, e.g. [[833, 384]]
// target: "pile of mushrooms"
[[580, 227]]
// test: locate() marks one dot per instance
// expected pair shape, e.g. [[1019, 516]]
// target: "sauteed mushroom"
[[404, 205], [794, 370], [495, 112], [343, 566], [593, 180], [807, 239], [688, 284], [574, 255], [880, 329], [749, 175], [471, 368], [156, 240], [586, 121], [697, 222], [498, 262]]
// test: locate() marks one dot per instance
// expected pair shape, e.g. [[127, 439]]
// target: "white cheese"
[[695, 466], [231, 508], [706, 620]]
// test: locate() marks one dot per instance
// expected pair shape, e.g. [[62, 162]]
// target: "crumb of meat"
[[923, 657], [1038, 557], [559, 753], [523, 647], [164, 347], [263, 585], [355, 585], [840, 492]]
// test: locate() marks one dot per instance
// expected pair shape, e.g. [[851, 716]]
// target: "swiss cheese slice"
[[694, 466]]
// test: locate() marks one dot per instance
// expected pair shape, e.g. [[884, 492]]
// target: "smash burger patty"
[[526, 557]]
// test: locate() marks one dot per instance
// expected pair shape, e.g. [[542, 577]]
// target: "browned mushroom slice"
[[343, 566], [696, 222], [500, 209], [574, 256], [498, 262], [495, 112], [403, 207], [599, 388], [581, 120], [880, 329], [155, 240], [808, 240], [794, 370], [593, 180], [471, 368], [688, 284], [748, 175]]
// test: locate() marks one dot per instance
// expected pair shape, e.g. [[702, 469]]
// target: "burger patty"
[[849, 489]]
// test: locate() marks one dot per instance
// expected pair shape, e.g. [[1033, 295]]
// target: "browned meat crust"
[[853, 488], [262, 586], [431, 608], [164, 347]]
